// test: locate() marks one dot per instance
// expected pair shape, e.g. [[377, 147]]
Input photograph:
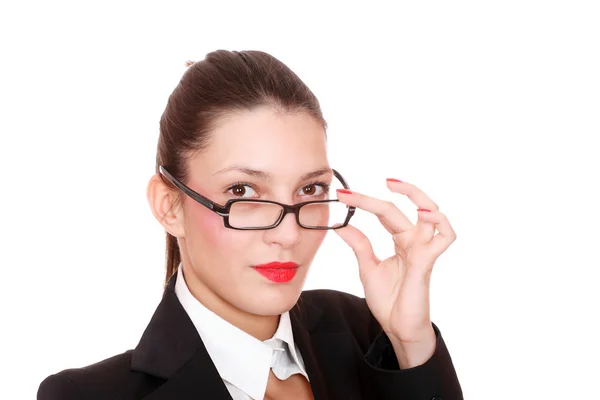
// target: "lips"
[[277, 271], [276, 264]]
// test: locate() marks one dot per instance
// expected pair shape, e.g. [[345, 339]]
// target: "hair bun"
[[188, 63]]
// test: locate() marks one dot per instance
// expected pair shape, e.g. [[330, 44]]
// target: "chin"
[[274, 302]]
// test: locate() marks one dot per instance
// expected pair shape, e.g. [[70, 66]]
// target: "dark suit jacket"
[[346, 354]]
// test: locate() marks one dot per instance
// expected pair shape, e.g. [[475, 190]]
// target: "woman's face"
[[256, 154]]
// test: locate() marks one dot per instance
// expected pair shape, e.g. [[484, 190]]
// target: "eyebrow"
[[265, 176]]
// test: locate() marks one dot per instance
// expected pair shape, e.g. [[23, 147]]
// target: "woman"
[[242, 188]]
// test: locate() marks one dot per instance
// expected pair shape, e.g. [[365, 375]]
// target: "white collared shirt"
[[243, 362]]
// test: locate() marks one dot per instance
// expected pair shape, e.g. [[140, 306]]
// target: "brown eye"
[[310, 189], [242, 191], [313, 190], [239, 190]]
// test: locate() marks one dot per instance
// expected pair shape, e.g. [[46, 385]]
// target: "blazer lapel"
[[329, 352], [171, 349], [304, 317], [197, 379]]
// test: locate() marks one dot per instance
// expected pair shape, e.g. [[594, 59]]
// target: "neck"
[[262, 327]]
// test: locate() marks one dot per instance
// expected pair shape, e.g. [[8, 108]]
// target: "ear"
[[162, 200]]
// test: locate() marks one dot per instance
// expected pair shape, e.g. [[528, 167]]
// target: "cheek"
[[210, 234], [314, 238]]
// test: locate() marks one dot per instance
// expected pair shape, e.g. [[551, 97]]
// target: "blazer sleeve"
[[58, 387], [436, 379]]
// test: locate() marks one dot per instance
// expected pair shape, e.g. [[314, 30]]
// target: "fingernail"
[[345, 191], [423, 209], [393, 180]]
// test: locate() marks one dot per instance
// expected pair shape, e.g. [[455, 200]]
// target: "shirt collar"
[[285, 333], [240, 358]]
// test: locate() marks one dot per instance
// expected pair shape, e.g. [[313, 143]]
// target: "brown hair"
[[222, 83]]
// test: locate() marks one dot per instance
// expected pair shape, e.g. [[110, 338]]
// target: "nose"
[[287, 234]]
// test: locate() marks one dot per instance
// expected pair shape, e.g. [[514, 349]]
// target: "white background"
[[492, 108]]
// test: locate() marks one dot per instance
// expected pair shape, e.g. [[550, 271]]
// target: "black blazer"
[[346, 355]]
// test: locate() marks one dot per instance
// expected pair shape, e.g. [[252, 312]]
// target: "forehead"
[[262, 139]]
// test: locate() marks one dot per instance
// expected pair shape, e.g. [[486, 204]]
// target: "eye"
[[242, 190], [314, 189]]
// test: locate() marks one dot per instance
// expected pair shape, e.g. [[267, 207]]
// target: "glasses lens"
[[323, 215], [250, 214]]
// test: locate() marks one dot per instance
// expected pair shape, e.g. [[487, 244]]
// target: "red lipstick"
[[277, 271]]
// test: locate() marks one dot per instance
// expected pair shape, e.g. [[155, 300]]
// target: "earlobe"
[[162, 201]]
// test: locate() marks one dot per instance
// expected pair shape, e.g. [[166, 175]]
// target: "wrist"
[[415, 352]]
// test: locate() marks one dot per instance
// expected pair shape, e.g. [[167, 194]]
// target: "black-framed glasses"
[[256, 214]]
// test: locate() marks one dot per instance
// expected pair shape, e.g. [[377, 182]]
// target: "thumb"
[[361, 245]]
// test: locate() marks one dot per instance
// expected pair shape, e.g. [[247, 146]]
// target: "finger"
[[392, 219], [361, 245], [446, 236], [424, 230], [416, 195]]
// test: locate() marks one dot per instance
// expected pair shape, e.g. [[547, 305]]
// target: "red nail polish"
[[393, 180], [346, 191], [423, 209]]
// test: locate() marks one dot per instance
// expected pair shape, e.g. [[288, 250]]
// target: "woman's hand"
[[397, 288]]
